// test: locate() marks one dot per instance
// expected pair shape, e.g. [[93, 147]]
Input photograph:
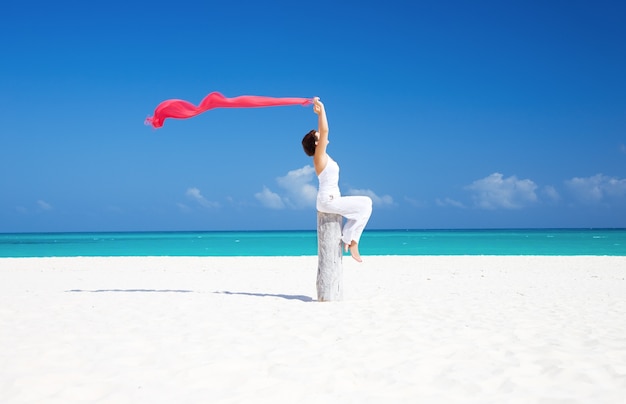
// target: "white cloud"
[[495, 191], [380, 201], [196, 195], [449, 202], [596, 188], [299, 188], [270, 199], [415, 203], [43, 205], [551, 193], [299, 191]]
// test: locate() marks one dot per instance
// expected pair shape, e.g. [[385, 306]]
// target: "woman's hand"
[[318, 107]]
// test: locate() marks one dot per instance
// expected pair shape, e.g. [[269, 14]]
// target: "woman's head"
[[309, 142]]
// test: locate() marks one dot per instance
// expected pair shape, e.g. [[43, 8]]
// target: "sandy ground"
[[447, 329]]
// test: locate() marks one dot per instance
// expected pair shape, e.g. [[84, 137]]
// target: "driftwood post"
[[329, 254]]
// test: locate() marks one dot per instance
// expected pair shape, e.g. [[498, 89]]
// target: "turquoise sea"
[[295, 243]]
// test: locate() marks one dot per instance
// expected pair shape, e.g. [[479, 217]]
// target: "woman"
[[356, 209]]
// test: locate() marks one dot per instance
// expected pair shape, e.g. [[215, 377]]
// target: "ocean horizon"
[[567, 242]]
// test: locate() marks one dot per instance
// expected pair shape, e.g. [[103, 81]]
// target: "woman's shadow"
[[288, 297]]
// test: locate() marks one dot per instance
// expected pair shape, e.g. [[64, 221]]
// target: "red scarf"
[[183, 109]]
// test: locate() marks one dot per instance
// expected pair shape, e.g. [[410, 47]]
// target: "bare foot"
[[354, 251]]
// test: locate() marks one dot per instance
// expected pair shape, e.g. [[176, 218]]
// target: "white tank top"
[[329, 182]]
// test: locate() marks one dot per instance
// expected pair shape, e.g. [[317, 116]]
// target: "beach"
[[431, 329]]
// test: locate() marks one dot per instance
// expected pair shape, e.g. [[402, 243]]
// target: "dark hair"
[[308, 142]]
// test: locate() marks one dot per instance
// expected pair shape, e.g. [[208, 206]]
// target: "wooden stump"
[[329, 255]]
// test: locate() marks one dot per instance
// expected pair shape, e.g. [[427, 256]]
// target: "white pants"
[[356, 210]]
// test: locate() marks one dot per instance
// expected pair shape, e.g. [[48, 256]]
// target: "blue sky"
[[450, 114]]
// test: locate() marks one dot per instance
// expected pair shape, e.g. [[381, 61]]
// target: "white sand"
[[248, 330]]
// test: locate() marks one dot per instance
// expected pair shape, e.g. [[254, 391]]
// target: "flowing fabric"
[[183, 109]]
